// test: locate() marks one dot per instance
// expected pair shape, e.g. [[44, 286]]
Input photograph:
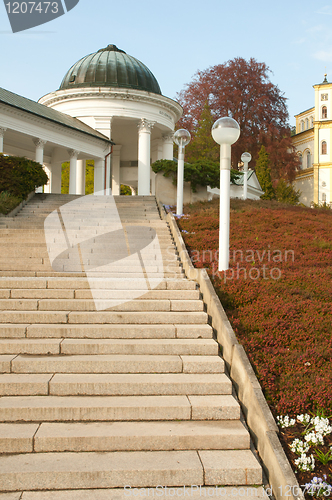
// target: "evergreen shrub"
[[198, 173], [20, 176]]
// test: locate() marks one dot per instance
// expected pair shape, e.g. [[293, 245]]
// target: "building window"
[[324, 197], [308, 159], [302, 126], [324, 148], [324, 112], [300, 161], [306, 123]]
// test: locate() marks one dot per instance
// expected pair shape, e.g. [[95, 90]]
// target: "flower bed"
[[277, 295]]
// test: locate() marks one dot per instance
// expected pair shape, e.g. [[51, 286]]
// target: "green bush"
[[8, 202], [323, 205], [263, 172], [286, 193], [125, 190], [20, 176], [198, 173]]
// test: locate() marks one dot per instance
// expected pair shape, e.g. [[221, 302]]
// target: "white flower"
[[286, 421], [299, 447], [305, 463], [322, 425], [314, 438], [304, 418]]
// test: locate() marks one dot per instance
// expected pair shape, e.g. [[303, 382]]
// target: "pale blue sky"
[[175, 39]]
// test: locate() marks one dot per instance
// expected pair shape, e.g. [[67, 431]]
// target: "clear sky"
[[175, 39]]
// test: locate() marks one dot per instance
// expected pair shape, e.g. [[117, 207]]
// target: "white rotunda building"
[[119, 97]]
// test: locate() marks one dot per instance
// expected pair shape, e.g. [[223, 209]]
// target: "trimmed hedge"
[[19, 176], [198, 173]]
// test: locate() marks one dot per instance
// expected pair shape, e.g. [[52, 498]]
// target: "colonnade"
[[164, 150]]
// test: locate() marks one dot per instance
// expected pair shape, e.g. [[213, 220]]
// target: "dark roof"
[[110, 67], [35, 108]]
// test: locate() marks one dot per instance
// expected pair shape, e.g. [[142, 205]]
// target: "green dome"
[[110, 67]]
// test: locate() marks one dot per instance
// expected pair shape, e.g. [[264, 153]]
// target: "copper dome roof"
[[110, 67]]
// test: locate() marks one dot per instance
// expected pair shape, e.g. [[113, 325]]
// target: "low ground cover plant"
[[277, 295]]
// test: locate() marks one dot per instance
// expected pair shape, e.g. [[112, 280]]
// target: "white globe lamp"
[[181, 138], [225, 132]]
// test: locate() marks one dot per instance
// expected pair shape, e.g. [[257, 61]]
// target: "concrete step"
[[109, 331], [201, 347], [17, 384], [117, 276], [108, 317], [133, 384], [17, 265], [195, 492], [103, 317], [5, 362], [230, 467], [20, 385], [111, 363], [123, 436], [92, 401], [77, 283], [117, 408], [30, 346], [152, 252], [89, 305], [13, 331], [107, 294], [22, 260], [40, 293], [58, 471], [169, 257]]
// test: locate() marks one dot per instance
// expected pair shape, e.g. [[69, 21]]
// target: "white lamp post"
[[246, 158], [225, 132], [181, 138]]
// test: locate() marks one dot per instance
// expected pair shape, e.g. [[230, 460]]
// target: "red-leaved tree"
[[241, 89]]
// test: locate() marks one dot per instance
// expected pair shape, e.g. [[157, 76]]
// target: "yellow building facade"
[[313, 141]]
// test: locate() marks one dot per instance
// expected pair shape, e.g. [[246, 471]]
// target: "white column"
[[116, 179], [153, 182], [39, 150], [73, 188], [144, 153], [108, 172], [56, 178], [80, 176], [39, 157], [245, 180], [99, 175], [225, 181], [179, 188], [156, 154], [2, 133], [48, 186], [168, 146]]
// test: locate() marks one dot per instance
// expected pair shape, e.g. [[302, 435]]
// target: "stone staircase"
[[92, 401]]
